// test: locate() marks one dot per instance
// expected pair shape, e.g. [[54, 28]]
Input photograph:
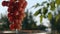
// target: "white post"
[[16, 31]]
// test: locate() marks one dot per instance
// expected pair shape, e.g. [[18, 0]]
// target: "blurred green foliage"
[[5, 23], [28, 22], [50, 13]]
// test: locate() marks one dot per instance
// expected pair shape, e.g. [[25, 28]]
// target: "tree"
[[49, 11], [5, 22], [29, 23]]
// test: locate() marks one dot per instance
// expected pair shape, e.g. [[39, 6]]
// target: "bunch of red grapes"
[[15, 13]]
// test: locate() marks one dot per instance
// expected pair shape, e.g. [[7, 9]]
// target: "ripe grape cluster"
[[15, 13]]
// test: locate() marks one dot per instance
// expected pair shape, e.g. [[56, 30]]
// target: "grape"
[[17, 21], [24, 15], [5, 3], [19, 27], [10, 19], [21, 2], [13, 0], [12, 26], [21, 9], [15, 13], [24, 5], [10, 9], [10, 14], [13, 7]]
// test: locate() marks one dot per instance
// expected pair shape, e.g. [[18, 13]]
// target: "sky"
[[3, 10]]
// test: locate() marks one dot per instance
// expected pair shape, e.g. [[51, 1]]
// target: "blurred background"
[[41, 15]]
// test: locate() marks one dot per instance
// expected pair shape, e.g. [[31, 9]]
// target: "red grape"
[[5, 3], [24, 5], [12, 26], [15, 13]]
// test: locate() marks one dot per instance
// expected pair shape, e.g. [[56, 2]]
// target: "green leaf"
[[48, 5], [41, 18], [37, 12], [57, 17], [49, 16], [35, 6], [52, 4], [43, 3], [58, 2], [45, 16], [45, 10]]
